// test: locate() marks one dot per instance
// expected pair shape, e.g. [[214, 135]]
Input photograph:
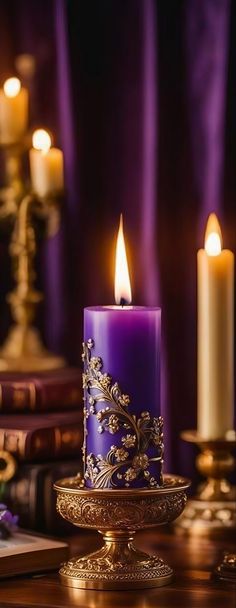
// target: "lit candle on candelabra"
[[123, 443], [46, 165], [13, 111], [215, 335]]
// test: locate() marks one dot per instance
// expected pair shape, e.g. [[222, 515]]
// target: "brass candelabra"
[[212, 511], [23, 349]]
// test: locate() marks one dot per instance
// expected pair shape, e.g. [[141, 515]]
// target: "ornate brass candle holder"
[[23, 350], [213, 510], [118, 515], [226, 570]]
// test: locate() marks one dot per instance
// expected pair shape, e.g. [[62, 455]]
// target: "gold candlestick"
[[212, 511], [117, 515], [23, 350]]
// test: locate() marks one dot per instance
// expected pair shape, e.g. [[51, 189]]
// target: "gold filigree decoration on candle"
[[129, 461]]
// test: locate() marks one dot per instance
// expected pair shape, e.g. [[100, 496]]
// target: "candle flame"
[[12, 87], [123, 293], [213, 236], [41, 140]]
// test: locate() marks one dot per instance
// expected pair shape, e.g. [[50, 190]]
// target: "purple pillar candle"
[[123, 441]]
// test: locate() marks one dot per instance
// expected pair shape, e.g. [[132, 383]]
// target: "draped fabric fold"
[[207, 45]]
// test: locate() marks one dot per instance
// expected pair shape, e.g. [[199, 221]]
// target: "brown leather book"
[[45, 391], [30, 495], [35, 437]]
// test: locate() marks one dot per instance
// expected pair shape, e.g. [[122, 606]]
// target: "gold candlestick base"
[[212, 511], [117, 515], [23, 351]]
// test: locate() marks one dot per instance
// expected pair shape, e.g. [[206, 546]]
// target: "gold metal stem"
[[216, 465], [13, 170], [118, 547], [22, 250]]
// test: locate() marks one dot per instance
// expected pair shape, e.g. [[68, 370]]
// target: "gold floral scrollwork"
[[106, 513], [128, 459]]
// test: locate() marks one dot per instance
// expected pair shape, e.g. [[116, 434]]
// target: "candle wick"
[[123, 302]]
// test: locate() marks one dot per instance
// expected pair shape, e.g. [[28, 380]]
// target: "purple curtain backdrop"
[[141, 97]]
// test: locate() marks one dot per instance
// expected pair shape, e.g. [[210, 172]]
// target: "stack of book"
[[41, 424]]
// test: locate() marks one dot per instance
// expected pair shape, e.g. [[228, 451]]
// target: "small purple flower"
[[8, 521]]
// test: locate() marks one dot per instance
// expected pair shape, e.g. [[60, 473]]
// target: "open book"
[[23, 553]]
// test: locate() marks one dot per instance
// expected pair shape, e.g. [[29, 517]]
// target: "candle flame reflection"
[[213, 236], [41, 140], [123, 293]]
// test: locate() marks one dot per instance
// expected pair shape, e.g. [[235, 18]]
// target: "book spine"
[[23, 495], [17, 396], [38, 396], [42, 444], [30, 495]]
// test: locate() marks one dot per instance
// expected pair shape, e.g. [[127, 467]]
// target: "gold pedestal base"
[[117, 565], [118, 514], [212, 512], [23, 351]]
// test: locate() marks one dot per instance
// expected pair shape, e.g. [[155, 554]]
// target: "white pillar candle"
[[215, 335], [13, 111], [46, 165]]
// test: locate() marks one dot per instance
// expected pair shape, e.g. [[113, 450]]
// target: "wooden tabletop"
[[192, 559]]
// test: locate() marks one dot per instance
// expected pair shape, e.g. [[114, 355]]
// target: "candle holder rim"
[[172, 484], [192, 436]]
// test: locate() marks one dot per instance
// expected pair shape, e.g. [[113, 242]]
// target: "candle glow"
[[12, 87], [41, 140], [121, 356], [123, 292], [213, 236], [46, 165], [215, 334], [13, 111]]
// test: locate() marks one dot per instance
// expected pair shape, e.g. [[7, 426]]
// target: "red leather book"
[[45, 391], [30, 494], [35, 437]]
